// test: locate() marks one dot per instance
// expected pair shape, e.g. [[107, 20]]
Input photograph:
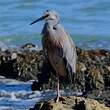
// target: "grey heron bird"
[[58, 47]]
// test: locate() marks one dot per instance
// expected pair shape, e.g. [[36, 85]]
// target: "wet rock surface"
[[71, 103]]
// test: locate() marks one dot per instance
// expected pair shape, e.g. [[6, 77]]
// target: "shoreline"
[[28, 63]]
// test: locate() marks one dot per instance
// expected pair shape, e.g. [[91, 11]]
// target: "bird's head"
[[48, 15]]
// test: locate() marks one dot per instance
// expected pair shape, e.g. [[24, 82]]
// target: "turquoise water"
[[87, 21]]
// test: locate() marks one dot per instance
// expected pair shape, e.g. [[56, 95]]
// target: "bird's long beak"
[[39, 19]]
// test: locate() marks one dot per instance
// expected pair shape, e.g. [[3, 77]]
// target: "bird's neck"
[[49, 26]]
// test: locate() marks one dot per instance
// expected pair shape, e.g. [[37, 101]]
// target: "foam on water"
[[18, 95], [100, 44], [18, 100]]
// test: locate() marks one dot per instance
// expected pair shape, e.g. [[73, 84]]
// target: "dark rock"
[[8, 69], [28, 45], [36, 86], [21, 64]]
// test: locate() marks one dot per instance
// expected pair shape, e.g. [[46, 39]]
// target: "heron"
[[59, 48]]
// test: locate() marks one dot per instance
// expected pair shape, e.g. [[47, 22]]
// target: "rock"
[[28, 45], [36, 86], [101, 96], [98, 80], [13, 56], [71, 103], [21, 64], [93, 68], [108, 68], [96, 63]]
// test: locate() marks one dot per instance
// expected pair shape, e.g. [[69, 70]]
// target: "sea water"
[[88, 22], [16, 95]]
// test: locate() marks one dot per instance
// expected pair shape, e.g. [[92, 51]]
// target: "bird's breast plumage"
[[55, 55]]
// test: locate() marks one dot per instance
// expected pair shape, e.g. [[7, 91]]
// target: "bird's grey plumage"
[[58, 46]]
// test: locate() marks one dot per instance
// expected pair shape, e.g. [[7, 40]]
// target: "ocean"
[[88, 23]]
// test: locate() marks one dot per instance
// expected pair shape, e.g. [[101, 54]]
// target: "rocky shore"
[[28, 63], [71, 103]]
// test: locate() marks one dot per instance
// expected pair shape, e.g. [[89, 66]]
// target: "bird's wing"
[[69, 54]]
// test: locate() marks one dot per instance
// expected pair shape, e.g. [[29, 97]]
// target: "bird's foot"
[[59, 98]]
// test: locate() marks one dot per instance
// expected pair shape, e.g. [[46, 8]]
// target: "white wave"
[[13, 96], [3, 46], [20, 95], [24, 95], [3, 93], [12, 81], [5, 108], [35, 94]]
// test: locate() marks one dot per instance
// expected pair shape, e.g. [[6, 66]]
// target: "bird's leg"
[[58, 98], [58, 90]]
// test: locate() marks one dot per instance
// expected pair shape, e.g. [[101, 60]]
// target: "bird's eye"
[[54, 28], [47, 10]]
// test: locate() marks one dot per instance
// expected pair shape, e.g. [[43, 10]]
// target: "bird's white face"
[[48, 15], [51, 15]]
